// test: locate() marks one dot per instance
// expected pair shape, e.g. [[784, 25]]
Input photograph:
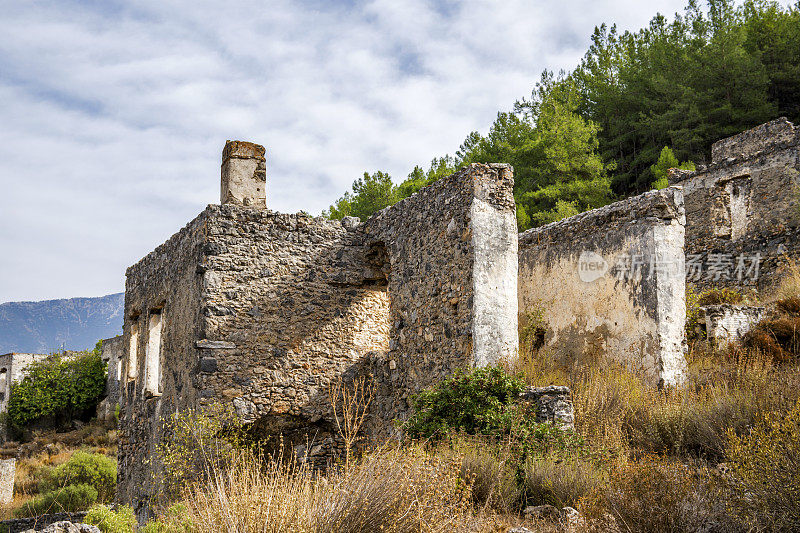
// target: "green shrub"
[[93, 469], [175, 520], [57, 387], [477, 403], [484, 402], [121, 520], [66, 499]]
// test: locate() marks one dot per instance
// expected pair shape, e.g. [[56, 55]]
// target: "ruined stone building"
[[111, 353], [743, 209], [13, 368], [262, 310]]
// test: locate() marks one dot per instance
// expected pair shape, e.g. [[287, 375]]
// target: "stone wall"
[[743, 209], [609, 282], [551, 404], [112, 355], [451, 257], [13, 367], [167, 281], [262, 311], [18, 525], [726, 323]]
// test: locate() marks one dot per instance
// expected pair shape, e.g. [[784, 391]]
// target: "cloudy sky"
[[113, 114]]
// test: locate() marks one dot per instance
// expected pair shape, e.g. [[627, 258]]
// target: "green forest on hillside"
[[637, 103]]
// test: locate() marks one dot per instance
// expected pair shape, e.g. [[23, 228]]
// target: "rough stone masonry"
[[262, 310], [743, 209]]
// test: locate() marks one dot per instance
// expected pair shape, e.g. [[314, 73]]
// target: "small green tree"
[[370, 194], [57, 387], [666, 161]]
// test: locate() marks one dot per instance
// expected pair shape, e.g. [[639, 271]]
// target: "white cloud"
[[114, 115]]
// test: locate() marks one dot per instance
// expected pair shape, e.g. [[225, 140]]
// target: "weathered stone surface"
[[610, 282], [726, 323], [743, 210], [218, 345], [244, 174], [552, 404], [8, 469], [69, 527], [542, 512]]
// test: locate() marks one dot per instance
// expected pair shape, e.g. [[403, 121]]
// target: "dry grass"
[[49, 449], [789, 286], [645, 496], [390, 490], [560, 482]]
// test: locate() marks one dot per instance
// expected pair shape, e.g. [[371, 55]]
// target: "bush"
[[766, 473], [174, 520], [198, 443], [489, 469], [57, 387], [390, 490], [121, 520], [93, 469], [66, 499], [483, 402], [476, 403]]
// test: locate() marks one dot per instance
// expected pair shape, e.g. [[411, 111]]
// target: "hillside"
[[72, 324]]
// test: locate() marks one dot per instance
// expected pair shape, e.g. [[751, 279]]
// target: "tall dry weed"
[[390, 490]]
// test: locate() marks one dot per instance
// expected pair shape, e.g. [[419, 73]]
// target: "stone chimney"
[[244, 174]]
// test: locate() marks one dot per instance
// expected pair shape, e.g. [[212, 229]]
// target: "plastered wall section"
[[744, 205], [609, 282]]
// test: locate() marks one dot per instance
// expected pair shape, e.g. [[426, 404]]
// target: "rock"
[[519, 529], [69, 527], [550, 404], [350, 223], [571, 515], [540, 512]]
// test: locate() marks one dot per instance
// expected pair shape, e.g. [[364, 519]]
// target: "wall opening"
[[133, 351], [152, 358], [731, 207], [3, 383], [377, 259]]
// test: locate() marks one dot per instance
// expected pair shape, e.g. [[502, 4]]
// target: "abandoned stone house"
[[13, 368], [743, 209], [262, 310]]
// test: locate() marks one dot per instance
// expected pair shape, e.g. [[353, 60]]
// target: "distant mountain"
[[72, 324]]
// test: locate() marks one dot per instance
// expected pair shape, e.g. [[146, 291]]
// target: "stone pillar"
[[8, 469], [244, 174]]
